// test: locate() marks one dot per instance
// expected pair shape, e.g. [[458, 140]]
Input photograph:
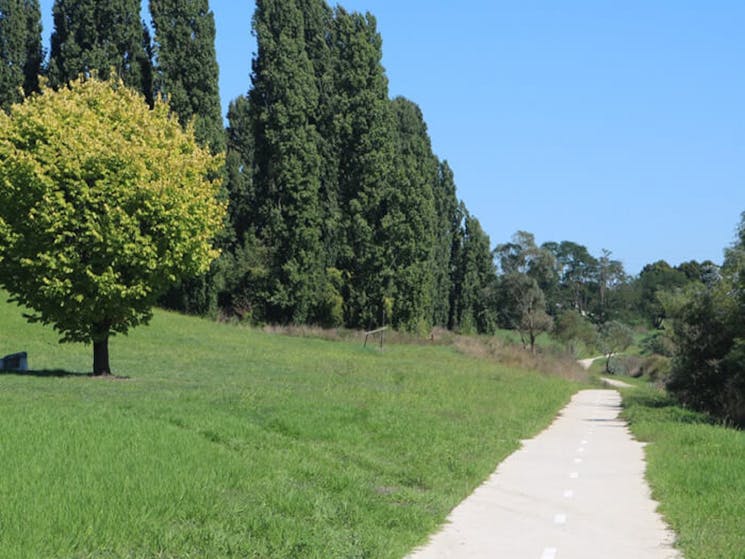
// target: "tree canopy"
[[186, 65], [95, 224], [93, 38], [20, 50]]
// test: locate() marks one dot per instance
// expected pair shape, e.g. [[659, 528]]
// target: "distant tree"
[[615, 337], [654, 279], [20, 50], [523, 256], [475, 281], [575, 330], [523, 307], [95, 225], [706, 272], [577, 272], [186, 66], [94, 37], [610, 275]]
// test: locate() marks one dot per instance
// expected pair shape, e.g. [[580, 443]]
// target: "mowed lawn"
[[229, 442], [697, 472]]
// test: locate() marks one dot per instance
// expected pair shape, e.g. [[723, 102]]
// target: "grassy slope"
[[228, 442], [697, 472]]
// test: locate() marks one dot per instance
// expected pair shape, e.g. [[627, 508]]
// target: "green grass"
[[229, 442], [697, 473]]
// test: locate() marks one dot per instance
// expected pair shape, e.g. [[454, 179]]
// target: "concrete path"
[[615, 383], [576, 491]]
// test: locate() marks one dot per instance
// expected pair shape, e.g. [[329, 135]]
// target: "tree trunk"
[[607, 364], [101, 365]]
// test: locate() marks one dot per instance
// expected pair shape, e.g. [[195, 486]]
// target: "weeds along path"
[[576, 491]]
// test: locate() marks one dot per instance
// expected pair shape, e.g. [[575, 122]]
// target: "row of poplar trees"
[[339, 212]]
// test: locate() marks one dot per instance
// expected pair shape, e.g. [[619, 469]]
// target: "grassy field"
[[697, 473], [230, 442]]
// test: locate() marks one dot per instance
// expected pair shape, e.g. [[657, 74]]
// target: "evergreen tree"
[[363, 136], [410, 221], [94, 37], [245, 258], [477, 278], [319, 22], [186, 65], [446, 227], [20, 50], [456, 267], [283, 101], [239, 168]]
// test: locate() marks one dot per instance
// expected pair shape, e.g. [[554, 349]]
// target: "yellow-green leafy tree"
[[104, 203]]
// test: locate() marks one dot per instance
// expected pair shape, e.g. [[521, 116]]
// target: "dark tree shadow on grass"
[[59, 373]]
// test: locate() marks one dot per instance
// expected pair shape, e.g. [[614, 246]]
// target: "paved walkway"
[[576, 491]]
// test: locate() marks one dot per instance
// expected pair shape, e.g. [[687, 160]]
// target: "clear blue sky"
[[614, 124]]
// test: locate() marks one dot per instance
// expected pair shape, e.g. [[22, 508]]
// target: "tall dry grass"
[[547, 361]]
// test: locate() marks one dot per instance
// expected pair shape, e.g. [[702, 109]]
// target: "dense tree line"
[[342, 213], [339, 211]]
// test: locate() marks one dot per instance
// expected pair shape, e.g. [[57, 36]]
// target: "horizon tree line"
[[339, 211]]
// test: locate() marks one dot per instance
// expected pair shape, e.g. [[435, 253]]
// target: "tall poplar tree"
[[363, 130], [186, 65], [318, 20], [477, 281], [411, 220], [283, 101], [20, 50], [91, 36], [447, 223]]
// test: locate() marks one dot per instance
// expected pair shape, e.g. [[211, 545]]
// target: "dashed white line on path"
[[549, 553], [606, 512]]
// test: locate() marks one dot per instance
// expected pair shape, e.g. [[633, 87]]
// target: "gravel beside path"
[[576, 491]]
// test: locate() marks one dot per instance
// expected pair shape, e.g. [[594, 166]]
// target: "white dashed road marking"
[[549, 553]]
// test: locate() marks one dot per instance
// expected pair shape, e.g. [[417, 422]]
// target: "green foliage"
[[186, 70], [473, 301], [614, 337], [708, 333], [361, 136], [410, 221], [576, 276], [20, 50], [96, 224], [576, 331], [708, 362], [659, 343], [93, 38], [288, 165], [448, 218], [523, 307], [230, 442], [239, 169], [655, 280]]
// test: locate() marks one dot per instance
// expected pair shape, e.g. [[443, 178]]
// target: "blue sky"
[[619, 125]]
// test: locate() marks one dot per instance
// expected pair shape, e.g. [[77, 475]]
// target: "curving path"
[[576, 491]]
